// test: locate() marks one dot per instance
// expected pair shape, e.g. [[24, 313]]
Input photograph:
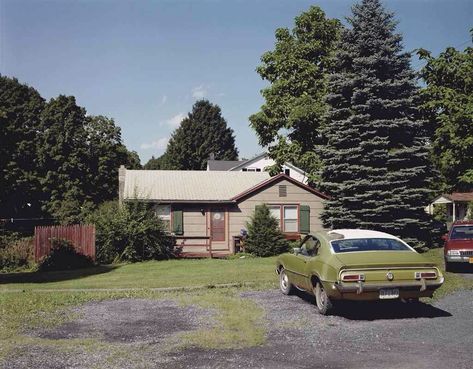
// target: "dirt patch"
[[122, 333], [127, 321]]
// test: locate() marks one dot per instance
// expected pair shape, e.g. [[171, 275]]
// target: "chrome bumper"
[[361, 287], [458, 258]]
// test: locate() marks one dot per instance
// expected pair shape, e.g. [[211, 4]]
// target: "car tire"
[[322, 301], [285, 285]]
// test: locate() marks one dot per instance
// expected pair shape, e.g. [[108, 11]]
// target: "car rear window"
[[368, 244], [462, 233]]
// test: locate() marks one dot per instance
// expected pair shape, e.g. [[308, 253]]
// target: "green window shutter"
[[304, 219], [177, 222]]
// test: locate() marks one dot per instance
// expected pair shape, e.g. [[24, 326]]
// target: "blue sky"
[[144, 63]]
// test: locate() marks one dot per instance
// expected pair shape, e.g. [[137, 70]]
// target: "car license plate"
[[389, 293]]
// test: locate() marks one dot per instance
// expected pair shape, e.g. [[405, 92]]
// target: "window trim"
[[171, 211], [281, 215]]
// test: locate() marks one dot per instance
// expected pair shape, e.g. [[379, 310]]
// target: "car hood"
[[383, 259], [460, 244]]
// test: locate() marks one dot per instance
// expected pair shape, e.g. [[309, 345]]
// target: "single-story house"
[[456, 203], [259, 163], [206, 211]]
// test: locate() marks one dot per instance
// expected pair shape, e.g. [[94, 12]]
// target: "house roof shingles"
[[459, 196], [188, 186], [223, 164]]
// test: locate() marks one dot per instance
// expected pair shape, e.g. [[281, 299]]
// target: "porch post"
[[453, 211]]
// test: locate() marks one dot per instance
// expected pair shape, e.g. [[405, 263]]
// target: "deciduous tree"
[[20, 108], [448, 106], [289, 122]]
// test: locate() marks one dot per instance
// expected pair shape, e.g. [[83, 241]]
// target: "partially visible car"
[[353, 264], [458, 246]]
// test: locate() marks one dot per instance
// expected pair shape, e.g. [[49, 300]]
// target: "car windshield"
[[368, 244], [462, 233]]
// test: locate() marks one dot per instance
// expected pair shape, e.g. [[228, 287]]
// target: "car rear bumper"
[[370, 291]]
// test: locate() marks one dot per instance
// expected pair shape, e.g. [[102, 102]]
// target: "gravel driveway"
[[360, 335]]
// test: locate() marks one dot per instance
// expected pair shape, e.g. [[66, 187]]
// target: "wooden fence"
[[81, 236]]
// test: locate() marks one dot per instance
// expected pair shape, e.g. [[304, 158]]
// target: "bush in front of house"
[[63, 256], [264, 236], [15, 252], [131, 232]]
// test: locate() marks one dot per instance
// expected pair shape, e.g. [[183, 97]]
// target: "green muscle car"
[[353, 264]]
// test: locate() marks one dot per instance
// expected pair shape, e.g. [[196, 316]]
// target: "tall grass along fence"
[[81, 236]]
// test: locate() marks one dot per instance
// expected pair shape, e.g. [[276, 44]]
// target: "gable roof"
[[275, 179], [249, 161], [223, 164], [188, 185], [457, 196]]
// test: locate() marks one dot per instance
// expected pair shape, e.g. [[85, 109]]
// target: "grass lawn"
[[151, 274]]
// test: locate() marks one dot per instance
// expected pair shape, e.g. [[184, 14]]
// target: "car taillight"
[[426, 275], [353, 277]]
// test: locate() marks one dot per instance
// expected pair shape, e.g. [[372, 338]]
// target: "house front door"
[[217, 225]]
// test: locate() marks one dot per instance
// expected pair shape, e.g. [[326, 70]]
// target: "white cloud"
[[199, 92], [159, 144], [164, 99], [175, 120]]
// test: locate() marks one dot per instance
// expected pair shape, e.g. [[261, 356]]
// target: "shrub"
[[440, 213], [63, 256], [16, 253], [131, 232], [264, 236]]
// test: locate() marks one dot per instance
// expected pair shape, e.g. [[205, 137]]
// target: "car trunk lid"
[[375, 265]]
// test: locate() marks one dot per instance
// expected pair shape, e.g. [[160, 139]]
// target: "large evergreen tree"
[[448, 106], [289, 122], [376, 164], [203, 132]]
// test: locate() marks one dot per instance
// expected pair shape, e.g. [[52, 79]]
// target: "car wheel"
[[322, 301], [284, 284]]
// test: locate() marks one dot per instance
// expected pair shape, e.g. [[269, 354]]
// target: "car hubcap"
[[284, 281]]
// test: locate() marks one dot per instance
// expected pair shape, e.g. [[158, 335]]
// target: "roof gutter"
[[174, 201]]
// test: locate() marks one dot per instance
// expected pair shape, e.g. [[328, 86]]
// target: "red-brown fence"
[[81, 236]]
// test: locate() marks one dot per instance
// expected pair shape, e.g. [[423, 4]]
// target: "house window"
[[164, 213], [290, 219], [275, 211], [289, 222]]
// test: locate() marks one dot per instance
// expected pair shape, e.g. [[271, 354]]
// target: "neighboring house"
[[257, 164], [457, 205], [207, 210]]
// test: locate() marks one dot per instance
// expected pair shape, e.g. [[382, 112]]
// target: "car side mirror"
[[296, 250], [445, 237]]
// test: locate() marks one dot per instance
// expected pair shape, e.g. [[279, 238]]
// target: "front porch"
[[456, 205]]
